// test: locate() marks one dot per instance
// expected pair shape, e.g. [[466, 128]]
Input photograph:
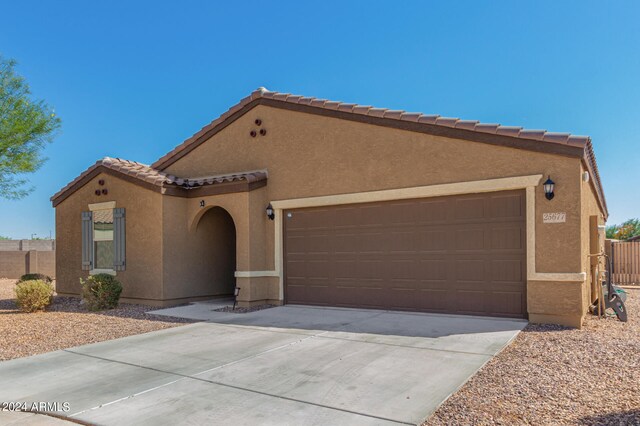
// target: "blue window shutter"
[[119, 240], [87, 241]]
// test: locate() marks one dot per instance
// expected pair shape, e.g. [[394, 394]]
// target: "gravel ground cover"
[[239, 310], [66, 324], [551, 375]]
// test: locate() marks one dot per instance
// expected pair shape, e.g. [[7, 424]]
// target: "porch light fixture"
[[548, 188], [270, 213]]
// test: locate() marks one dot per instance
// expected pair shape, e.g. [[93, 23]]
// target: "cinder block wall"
[[19, 257]]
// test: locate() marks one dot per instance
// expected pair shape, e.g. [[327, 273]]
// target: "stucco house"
[[299, 200]]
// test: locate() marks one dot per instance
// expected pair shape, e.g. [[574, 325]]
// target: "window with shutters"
[[103, 248], [103, 239]]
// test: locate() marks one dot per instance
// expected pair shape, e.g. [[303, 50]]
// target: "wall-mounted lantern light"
[[548, 188], [270, 213], [201, 203]]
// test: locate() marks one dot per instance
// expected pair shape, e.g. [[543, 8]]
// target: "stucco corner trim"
[[556, 276], [457, 188], [102, 206], [254, 274]]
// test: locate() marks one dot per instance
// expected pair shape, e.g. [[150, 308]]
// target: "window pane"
[[103, 225], [103, 254], [103, 239]]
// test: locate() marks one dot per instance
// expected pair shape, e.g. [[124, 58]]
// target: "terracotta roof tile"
[[411, 116], [377, 112], [532, 134], [578, 140], [486, 127], [447, 121], [346, 107], [156, 177], [466, 124], [332, 104], [508, 131], [516, 132], [305, 100], [393, 113], [556, 137], [362, 109], [431, 119], [318, 102]]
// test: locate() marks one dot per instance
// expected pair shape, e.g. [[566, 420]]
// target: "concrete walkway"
[[286, 365]]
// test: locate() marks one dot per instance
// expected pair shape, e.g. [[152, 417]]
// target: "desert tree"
[[26, 126]]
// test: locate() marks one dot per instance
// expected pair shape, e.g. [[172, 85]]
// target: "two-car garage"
[[462, 254]]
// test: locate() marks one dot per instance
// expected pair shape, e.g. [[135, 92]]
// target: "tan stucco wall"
[[309, 155], [183, 241], [194, 258], [555, 302], [142, 278]]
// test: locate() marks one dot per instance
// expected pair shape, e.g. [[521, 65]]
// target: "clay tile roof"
[[466, 124], [148, 174], [410, 116], [486, 127], [447, 121], [518, 133], [346, 107], [430, 119], [362, 109], [318, 102], [377, 112], [532, 134], [332, 104], [391, 113], [508, 130]]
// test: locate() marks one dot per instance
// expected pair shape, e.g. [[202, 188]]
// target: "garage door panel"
[[506, 206], [432, 240], [435, 300], [469, 208], [400, 241], [470, 239], [461, 254], [507, 303], [507, 270], [433, 211], [432, 269], [506, 238]]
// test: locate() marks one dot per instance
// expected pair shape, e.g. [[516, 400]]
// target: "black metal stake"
[[235, 300]]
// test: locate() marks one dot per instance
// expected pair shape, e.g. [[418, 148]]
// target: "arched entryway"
[[214, 251]]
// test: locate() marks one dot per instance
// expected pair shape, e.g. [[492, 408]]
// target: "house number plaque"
[[559, 217]]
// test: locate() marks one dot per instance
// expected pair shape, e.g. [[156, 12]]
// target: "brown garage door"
[[458, 254]]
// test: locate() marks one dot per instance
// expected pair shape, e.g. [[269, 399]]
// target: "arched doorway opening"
[[215, 252]]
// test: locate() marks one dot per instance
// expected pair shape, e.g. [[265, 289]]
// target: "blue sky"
[[134, 79]]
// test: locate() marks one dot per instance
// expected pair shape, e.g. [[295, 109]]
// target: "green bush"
[[32, 277], [101, 291], [33, 295]]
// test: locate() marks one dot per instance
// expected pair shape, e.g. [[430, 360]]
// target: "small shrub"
[[101, 291], [31, 277], [33, 295]]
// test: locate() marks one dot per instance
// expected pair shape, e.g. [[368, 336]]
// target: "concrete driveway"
[[286, 365]]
